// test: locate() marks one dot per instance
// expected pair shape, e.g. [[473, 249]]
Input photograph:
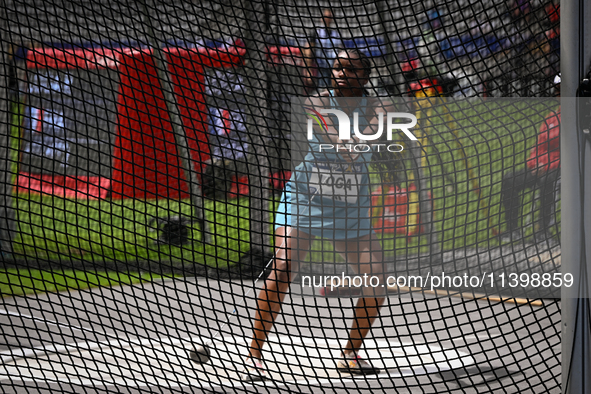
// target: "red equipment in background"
[[144, 158], [426, 87], [395, 210]]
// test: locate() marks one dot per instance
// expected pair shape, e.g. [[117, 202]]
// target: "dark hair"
[[354, 52], [361, 57]]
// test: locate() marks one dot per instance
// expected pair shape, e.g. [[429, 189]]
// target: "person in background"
[[520, 10], [323, 49], [229, 143], [542, 171]]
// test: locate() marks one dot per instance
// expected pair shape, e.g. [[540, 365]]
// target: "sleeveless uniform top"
[[327, 196]]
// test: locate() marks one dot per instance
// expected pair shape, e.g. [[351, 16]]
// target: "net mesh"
[[146, 153]]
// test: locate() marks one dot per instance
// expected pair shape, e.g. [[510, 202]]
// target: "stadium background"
[[82, 74]]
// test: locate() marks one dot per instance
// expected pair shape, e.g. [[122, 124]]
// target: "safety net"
[[269, 196]]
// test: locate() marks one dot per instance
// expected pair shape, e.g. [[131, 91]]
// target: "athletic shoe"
[[254, 370], [356, 365]]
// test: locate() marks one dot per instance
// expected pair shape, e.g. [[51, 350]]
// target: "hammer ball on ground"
[[199, 354]]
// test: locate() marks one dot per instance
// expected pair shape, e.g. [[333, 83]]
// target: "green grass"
[[494, 137], [15, 282], [119, 230]]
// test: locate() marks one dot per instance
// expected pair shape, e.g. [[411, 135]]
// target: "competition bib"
[[337, 181]]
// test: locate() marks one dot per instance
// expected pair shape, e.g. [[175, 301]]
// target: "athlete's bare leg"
[[290, 242], [366, 257]]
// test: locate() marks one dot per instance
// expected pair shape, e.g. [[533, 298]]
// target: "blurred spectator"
[[520, 10], [325, 44], [302, 59], [553, 13], [425, 64], [224, 85], [547, 58], [229, 143], [410, 70], [428, 47], [542, 172], [465, 84], [228, 137], [551, 44]]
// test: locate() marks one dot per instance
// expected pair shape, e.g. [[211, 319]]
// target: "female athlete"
[[307, 212]]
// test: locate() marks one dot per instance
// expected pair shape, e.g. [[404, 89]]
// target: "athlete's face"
[[348, 75]]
